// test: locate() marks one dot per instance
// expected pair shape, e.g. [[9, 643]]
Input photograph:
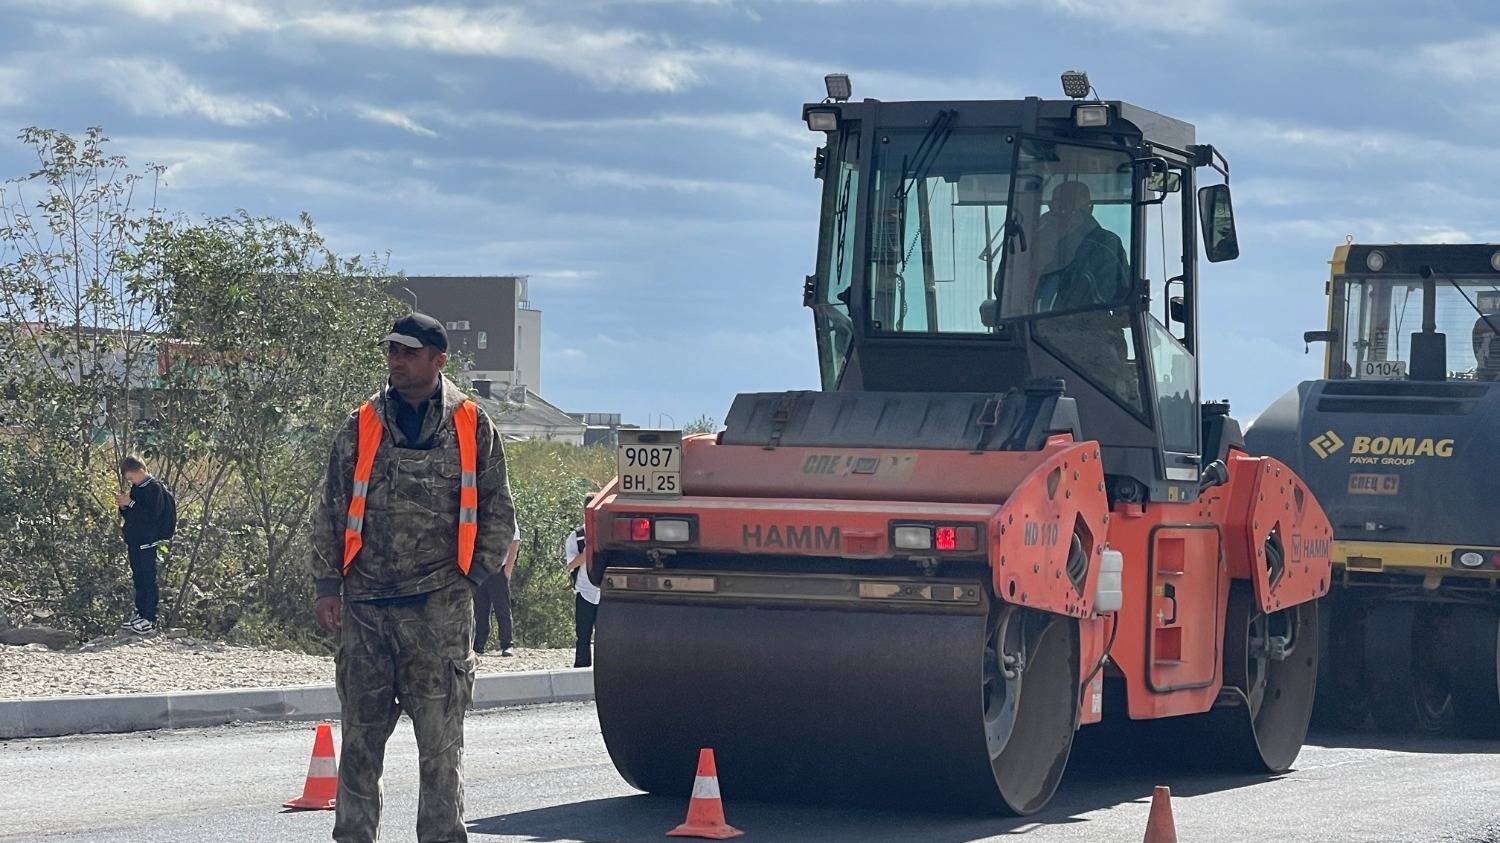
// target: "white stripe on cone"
[[323, 768], [706, 787]]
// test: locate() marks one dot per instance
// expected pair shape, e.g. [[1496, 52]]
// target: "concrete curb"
[[38, 717]]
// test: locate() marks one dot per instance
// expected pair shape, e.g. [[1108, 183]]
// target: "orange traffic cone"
[[322, 775], [705, 817], [1159, 826]]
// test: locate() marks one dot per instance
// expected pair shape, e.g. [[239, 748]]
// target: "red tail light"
[[632, 529], [944, 538]]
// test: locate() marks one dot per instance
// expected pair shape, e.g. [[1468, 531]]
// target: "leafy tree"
[[229, 350], [80, 297], [277, 333]]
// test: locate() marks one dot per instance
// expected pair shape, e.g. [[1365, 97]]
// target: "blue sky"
[[643, 160]]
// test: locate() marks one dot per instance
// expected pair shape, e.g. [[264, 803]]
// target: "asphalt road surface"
[[542, 775]]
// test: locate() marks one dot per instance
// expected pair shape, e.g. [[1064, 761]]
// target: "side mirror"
[[1216, 214], [1177, 309], [1168, 182], [1157, 180]]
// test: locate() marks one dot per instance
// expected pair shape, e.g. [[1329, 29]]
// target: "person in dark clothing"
[[495, 594], [585, 598], [1083, 264], [141, 509]]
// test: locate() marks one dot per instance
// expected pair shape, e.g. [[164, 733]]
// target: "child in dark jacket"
[[141, 508]]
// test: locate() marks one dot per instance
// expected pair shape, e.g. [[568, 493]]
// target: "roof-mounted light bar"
[[1075, 84], [838, 86]]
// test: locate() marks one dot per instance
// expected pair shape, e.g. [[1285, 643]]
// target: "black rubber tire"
[[1343, 702], [1476, 677], [1408, 681]]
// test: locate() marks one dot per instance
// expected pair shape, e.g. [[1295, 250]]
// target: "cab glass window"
[[1100, 345], [939, 207], [1176, 389], [836, 257], [1069, 230], [1381, 314]]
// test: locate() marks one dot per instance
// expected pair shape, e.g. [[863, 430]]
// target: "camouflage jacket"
[[410, 537]]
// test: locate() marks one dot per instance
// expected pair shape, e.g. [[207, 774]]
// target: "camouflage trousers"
[[414, 655]]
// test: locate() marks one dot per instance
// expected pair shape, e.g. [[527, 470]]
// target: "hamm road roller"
[[912, 584], [1398, 440]]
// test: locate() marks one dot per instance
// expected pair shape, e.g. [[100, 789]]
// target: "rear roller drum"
[[1030, 704], [1272, 660]]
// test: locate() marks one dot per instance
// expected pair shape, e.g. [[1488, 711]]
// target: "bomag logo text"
[[773, 536], [1401, 446]]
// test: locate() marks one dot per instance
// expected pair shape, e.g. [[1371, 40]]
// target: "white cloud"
[[1308, 147], [217, 15], [11, 90], [390, 117], [608, 57], [764, 198], [1184, 16], [784, 133], [1467, 59], [156, 87]]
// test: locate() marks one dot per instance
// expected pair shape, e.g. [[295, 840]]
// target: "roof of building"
[[535, 411]]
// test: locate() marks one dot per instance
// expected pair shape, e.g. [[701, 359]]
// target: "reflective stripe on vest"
[[466, 426]]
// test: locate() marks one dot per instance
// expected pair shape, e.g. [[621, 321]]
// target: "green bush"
[[549, 481]]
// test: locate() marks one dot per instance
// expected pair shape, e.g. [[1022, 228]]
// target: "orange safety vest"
[[466, 425]]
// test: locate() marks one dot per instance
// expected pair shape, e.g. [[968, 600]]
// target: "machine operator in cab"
[[1486, 348], [1083, 264]]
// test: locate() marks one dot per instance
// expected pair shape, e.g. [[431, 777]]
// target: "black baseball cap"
[[416, 330]]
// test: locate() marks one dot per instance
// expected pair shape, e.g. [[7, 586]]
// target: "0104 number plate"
[[1382, 370], [649, 463]]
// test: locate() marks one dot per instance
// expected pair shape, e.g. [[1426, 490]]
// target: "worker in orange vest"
[[416, 512]]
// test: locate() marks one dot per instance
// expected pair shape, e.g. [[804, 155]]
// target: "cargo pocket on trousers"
[[461, 694]]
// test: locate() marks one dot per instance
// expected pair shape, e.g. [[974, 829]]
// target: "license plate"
[[649, 463], [1374, 484], [1382, 370]]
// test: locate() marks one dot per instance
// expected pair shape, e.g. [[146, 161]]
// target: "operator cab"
[[976, 246], [1409, 313]]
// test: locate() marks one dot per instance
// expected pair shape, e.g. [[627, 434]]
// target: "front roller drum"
[[839, 705]]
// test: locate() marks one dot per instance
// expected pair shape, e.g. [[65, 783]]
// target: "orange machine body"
[[1180, 559]]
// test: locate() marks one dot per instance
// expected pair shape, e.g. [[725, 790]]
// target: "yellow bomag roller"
[[1398, 440]]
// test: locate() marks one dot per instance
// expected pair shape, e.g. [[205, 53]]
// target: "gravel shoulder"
[[157, 664]]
